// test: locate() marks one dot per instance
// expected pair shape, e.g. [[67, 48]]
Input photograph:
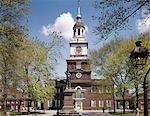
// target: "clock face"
[[78, 75], [78, 50]]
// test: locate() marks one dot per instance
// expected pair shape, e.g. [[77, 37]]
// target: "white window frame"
[[93, 103], [108, 103], [100, 90], [78, 65], [50, 103], [101, 103], [108, 90]]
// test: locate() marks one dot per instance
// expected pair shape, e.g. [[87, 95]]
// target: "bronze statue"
[[68, 80]]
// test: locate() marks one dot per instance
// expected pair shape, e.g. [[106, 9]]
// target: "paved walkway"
[[43, 113], [96, 114], [84, 113]]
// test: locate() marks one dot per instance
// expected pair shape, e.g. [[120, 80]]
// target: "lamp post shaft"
[[145, 89], [114, 99], [145, 100]]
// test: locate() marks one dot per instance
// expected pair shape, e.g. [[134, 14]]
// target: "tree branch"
[[135, 10]]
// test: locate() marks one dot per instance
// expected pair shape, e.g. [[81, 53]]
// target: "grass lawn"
[[127, 114]]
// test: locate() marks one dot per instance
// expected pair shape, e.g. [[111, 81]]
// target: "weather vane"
[[78, 10]]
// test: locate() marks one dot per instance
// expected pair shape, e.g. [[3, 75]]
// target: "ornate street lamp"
[[138, 57], [139, 54]]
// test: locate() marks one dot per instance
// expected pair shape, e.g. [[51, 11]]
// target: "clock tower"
[[78, 64]]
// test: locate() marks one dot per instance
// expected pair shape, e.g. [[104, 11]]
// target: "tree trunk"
[[124, 101], [114, 105], [4, 96], [19, 105], [43, 108], [114, 99], [35, 105], [29, 105], [3, 107], [137, 96], [27, 79]]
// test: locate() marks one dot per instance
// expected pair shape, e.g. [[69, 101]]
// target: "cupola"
[[78, 28]]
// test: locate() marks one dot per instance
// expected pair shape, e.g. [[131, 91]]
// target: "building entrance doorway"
[[79, 96], [78, 105]]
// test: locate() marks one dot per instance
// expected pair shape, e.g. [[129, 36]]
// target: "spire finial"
[[79, 14]]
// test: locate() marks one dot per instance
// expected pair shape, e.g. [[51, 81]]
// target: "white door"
[[78, 105]]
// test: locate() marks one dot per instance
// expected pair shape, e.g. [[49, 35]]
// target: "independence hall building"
[[89, 94]]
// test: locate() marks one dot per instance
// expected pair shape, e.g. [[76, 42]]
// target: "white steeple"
[[78, 43], [79, 28]]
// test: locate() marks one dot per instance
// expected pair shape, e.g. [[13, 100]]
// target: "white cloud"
[[45, 31], [143, 25], [64, 24]]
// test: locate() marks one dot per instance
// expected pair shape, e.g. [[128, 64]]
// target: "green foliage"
[[11, 34], [114, 63], [27, 65], [99, 57], [43, 91], [37, 70]]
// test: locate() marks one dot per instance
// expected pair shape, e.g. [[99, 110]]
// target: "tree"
[[115, 15], [11, 13], [99, 59], [116, 66], [8, 62], [26, 65], [113, 62], [37, 61]]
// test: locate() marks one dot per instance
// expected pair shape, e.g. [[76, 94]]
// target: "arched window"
[[78, 93], [74, 32], [78, 31]]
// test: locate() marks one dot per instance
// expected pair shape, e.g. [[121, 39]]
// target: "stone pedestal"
[[68, 100], [69, 106]]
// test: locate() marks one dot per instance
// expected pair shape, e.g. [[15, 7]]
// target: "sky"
[[60, 15]]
